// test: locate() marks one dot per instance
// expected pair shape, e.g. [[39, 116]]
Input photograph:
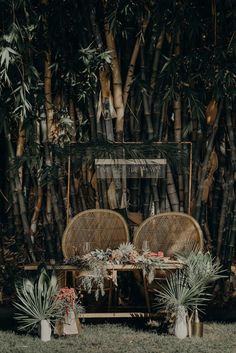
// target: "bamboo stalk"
[[134, 56], [134, 194], [117, 83], [107, 104], [20, 148], [72, 115], [62, 184], [52, 201], [99, 133], [48, 95], [222, 218], [171, 190], [47, 230], [20, 197], [231, 135], [196, 157], [155, 63], [137, 125], [146, 105], [16, 211], [231, 241], [48, 79], [162, 194], [216, 199], [73, 197], [147, 199], [37, 209], [162, 122], [156, 116], [57, 213], [155, 195], [205, 164], [92, 120]]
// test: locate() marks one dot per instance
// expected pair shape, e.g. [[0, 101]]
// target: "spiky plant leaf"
[[126, 248], [201, 267], [176, 292], [36, 301]]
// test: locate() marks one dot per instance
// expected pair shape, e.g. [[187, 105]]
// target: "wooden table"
[[63, 270]]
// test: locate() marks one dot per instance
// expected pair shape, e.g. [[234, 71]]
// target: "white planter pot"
[[181, 329], [45, 330]]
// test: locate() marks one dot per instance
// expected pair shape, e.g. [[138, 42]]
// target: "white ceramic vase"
[[45, 330], [181, 329]]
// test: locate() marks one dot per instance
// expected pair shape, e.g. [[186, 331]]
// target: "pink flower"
[[68, 296]]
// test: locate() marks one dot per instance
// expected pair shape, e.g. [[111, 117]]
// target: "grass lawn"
[[112, 338]]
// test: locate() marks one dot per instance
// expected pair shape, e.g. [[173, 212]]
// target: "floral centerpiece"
[[71, 307], [95, 262]]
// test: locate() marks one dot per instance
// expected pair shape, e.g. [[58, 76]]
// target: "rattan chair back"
[[169, 232], [99, 228]]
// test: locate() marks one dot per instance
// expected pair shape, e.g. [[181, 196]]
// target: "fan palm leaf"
[[36, 301], [176, 292]]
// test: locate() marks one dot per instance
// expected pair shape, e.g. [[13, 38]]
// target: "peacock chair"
[[170, 232], [101, 228]]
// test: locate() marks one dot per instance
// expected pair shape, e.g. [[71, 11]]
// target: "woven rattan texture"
[[170, 232], [101, 228]]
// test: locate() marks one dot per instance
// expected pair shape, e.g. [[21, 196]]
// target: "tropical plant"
[[188, 287], [36, 301], [201, 267], [177, 292]]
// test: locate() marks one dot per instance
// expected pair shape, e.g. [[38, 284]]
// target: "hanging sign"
[[130, 168]]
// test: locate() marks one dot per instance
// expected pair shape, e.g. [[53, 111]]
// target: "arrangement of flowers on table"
[[94, 264]]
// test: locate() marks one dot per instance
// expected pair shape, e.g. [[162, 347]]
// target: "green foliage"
[[201, 268], [36, 301], [188, 286], [177, 292]]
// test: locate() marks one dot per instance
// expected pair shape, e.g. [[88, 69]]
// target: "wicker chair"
[[168, 232], [100, 228]]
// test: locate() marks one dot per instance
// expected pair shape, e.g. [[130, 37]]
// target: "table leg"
[[110, 295], [146, 293]]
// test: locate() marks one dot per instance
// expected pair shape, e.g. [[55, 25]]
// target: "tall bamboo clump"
[[94, 73]]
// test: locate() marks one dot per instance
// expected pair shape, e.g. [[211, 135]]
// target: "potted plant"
[[185, 291], [36, 304], [69, 324]]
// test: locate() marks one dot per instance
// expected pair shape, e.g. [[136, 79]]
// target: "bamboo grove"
[[88, 76]]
